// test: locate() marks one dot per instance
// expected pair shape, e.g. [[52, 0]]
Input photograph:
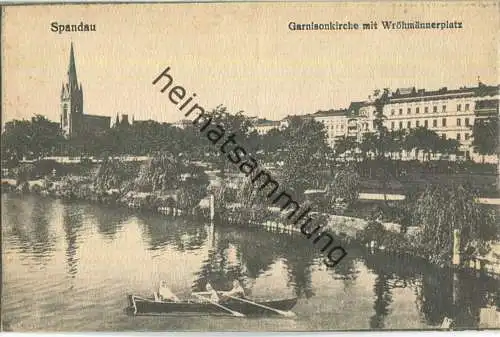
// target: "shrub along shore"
[[418, 226]]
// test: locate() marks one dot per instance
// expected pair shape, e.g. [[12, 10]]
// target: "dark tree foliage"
[[485, 136], [33, 138], [441, 209], [345, 185], [114, 173], [305, 154]]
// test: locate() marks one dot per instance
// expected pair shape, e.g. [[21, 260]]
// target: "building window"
[[392, 112], [444, 108], [392, 125], [467, 136], [434, 109], [409, 111], [459, 107], [417, 110], [443, 136], [459, 122], [400, 111], [458, 136], [435, 123], [400, 125], [426, 109], [444, 121], [417, 124], [408, 124], [467, 107], [467, 122], [426, 123]]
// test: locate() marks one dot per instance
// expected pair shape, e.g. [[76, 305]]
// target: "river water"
[[69, 266]]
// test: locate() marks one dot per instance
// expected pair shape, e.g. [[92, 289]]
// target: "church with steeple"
[[73, 121]]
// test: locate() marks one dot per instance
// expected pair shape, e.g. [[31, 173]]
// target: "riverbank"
[[376, 235], [77, 188]]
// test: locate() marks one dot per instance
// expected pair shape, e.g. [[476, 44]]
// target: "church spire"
[[72, 79]]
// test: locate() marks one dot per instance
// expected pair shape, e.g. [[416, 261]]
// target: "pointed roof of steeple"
[[72, 79]]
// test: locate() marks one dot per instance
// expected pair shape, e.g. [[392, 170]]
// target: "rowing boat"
[[148, 306]]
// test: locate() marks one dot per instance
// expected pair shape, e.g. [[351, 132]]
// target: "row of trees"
[[40, 137], [392, 143]]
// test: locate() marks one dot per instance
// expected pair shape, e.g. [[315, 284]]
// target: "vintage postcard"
[[250, 166]]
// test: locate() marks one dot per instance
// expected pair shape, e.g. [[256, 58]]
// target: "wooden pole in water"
[[212, 208], [456, 247]]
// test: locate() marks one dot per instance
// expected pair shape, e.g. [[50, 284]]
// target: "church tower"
[[71, 101]]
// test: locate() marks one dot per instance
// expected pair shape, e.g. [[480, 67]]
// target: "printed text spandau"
[[61, 27]]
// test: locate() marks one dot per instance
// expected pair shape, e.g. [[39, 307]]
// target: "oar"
[[234, 313], [281, 312]]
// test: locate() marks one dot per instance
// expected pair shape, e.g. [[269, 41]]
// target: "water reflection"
[[182, 234], [72, 225], [377, 286], [109, 221], [222, 266], [29, 225]]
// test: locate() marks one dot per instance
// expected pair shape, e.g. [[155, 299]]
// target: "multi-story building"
[[359, 119], [450, 113], [72, 120], [334, 122]]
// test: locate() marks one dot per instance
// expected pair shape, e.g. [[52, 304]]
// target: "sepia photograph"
[[250, 166]]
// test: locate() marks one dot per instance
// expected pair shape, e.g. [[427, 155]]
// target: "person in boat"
[[236, 291], [211, 293], [165, 294]]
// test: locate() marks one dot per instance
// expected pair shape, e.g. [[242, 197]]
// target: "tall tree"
[[382, 138], [38, 137], [485, 136], [305, 154], [368, 144], [424, 140], [345, 144]]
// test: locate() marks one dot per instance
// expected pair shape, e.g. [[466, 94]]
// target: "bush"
[[160, 173], [440, 210], [345, 186], [24, 173], [113, 174], [396, 242], [189, 196], [373, 231]]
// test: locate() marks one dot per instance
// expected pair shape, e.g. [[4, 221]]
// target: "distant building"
[[263, 126], [122, 122], [183, 123], [72, 120], [450, 113]]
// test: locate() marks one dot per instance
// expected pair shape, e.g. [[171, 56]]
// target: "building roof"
[[97, 117], [412, 94], [265, 122], [331, 112], [354, 107]]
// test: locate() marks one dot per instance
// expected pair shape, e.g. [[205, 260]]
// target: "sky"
[[241, 55]]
